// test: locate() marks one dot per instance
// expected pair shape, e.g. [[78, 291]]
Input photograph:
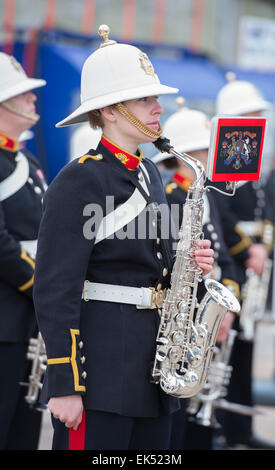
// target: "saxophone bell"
[[210, 314]]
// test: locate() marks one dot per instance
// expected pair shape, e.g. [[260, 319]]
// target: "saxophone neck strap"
[[156, 213]]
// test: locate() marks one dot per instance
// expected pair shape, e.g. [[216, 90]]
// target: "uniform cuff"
[[66, 375]]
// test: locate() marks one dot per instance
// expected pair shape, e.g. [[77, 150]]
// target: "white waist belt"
[[142, 297], [30, 246], [251, 228]]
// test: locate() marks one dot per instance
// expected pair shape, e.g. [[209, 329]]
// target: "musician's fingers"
[[204, 265], [204, 253], [203, 243]]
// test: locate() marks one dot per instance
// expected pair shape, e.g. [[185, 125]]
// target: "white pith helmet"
[[13, 79], [83, 139], [187, 129], [112, 74], [239, 97]]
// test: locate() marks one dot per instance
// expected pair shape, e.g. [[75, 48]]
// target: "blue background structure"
[[59, 59]]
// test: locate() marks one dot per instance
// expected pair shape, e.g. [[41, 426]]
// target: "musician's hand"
[[258, 254], [67, 409], [225, 327], [204, 256]]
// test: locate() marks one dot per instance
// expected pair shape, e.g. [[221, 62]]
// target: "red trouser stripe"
[[77, 438]]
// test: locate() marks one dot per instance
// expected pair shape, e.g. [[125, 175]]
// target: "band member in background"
[[21, 189], [189, 130], [83, 139], [96, 277], [248, 232]]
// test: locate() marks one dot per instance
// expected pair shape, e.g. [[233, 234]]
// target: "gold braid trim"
[[137, 123], [241, 245], [30, 261]]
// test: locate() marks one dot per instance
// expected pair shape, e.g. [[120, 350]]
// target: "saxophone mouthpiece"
[[163, 145]]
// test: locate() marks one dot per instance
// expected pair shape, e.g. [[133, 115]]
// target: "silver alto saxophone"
[[254, 295], [187, 331], [202, 406]]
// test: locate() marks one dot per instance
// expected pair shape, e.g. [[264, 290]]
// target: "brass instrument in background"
[[37, 354], [254, 294], [188, 331], [201, 407]]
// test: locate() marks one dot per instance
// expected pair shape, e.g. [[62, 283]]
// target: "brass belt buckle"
[[157, 298]]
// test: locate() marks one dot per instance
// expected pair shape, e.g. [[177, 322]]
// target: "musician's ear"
[[109, 113]]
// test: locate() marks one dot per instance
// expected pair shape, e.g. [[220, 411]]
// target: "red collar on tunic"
[[130, 160], [8, 143], [182, 181]]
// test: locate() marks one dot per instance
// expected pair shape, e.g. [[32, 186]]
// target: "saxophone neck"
[[195, 165]]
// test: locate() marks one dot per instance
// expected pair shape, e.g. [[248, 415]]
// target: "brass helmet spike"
[[180, 101], [230, 77], [104, 32]]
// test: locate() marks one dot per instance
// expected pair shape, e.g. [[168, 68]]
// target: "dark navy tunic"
[[20, 215], [117, 340]]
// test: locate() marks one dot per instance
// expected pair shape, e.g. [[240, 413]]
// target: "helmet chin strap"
[[32, 116], [137, 123]]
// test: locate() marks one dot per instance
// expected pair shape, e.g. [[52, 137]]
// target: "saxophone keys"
[[163, 340], [175, 354], [190, 377], [161, 355], [182, 306], [179, 319], [193, 355], [178, 337]]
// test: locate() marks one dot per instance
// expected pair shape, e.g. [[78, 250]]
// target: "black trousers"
[[187, 434], [236, 425], [19, 424], [109, 431]]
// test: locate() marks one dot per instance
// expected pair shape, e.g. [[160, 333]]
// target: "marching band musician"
[[189, 130], [96, 279], [22, 186], [248, 232]]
